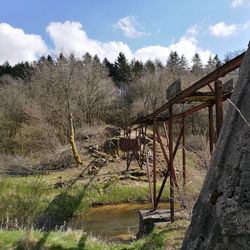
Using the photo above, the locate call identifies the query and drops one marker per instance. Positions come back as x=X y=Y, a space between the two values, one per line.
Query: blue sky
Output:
x=140 y=28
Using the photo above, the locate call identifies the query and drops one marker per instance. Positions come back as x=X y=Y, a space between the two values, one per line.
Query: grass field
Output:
x=168 y=237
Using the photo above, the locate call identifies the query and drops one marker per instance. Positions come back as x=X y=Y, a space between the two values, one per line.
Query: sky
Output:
x=141 y=29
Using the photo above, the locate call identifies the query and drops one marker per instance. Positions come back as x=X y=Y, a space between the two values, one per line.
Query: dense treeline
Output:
x=37 y=98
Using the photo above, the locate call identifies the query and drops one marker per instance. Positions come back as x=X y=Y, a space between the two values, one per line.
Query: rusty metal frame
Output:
x=154 y=166
x=211 y=128
x=160 y=117
x=219 y=105
x=213 y=76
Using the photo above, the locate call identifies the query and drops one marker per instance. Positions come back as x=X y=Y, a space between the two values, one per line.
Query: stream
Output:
x=111 y=222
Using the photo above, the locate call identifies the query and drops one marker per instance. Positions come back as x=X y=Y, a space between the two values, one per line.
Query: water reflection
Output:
x=112 y=222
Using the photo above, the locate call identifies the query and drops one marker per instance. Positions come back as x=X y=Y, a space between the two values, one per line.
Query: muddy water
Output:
x=112 y=222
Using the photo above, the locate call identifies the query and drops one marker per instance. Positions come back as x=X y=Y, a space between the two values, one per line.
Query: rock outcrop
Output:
x=221 y=215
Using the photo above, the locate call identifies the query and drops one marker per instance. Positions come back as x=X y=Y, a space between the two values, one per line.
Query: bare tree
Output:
x=69 y=88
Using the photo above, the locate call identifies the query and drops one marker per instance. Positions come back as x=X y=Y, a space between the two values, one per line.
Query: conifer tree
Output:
x=197 y=64
x=173 y=62
x=150 y=66
x=122 y=78
x=213 y=63
x=110 y=67
x=183 y=63
x=122 y=68
x=136 y=68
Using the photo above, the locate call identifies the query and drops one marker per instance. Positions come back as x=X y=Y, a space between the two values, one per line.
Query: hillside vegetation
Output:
x=56 y=116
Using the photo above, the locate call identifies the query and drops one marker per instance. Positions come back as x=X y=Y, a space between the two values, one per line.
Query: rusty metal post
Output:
x=171 y=162
x=149 y=181
x=219 y=105
x=178 y=142
x=144 y=144
x=211 y=128
x=154 y=165
x=166 y=173
x=166 y=133
x=139 y=144
x=162 y=147
x=184 y=176
x=128 y=156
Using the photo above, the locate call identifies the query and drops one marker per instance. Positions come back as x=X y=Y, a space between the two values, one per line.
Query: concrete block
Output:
x=148 y=218
x=174 y=89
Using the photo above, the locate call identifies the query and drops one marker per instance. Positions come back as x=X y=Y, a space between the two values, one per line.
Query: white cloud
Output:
x=69 y=37
x=237 y=3
x=187 y=45
x=240 y=3
x=130 y=27
x=17 y=46
x=222 y=29
x=193 y=30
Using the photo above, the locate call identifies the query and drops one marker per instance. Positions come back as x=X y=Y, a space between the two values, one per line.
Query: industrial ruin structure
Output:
x=208 y=93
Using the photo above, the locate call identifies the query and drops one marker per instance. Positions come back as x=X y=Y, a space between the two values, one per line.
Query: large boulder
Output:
x=221 y=215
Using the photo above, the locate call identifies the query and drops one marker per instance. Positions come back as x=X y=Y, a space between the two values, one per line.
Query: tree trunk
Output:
x=72 y=142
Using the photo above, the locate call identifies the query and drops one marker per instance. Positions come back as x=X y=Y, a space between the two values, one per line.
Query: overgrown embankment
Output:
x=55 y=190
x=30 y=198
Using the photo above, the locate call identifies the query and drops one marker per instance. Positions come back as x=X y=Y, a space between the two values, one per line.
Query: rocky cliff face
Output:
x=221 y=216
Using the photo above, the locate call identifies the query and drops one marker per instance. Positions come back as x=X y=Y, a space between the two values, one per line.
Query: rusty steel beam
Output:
x=184 y=176
x=162 y=147
x=196 y=108
x=211 y=88
x=171 y=163
x=219 y=106
x=127 y=155
x=162 y=187
x=166 y=157
x=154 y=165
x=178 y=142
x=211 y=128
x=213 y=76
x=150 y=182
x=145 y=135
x=187 y=112
x=140 y=149
x=167 y=169
x=165 y=153
x=166 y=133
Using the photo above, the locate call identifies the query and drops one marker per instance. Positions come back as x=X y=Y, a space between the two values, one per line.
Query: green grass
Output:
x=168 y=237
x=24 y=199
